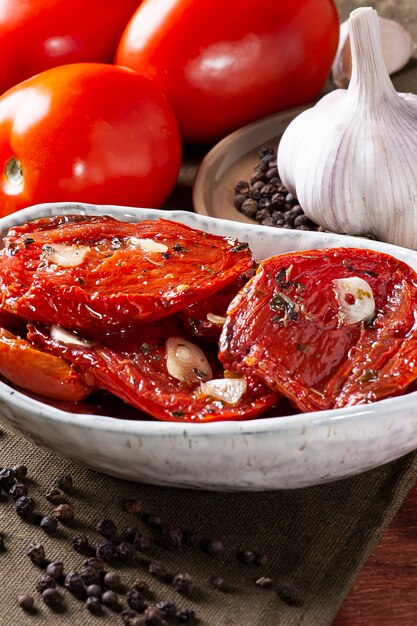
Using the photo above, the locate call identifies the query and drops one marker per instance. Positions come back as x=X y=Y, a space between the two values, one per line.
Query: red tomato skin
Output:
x=88 y=132
x=40 y=372
x=223 y=65
x=36 y=35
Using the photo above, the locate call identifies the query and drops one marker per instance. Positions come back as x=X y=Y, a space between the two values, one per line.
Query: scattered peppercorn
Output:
x=96 y=562
x=154 y=521
x=89 y=575
x=52 y=598
x=25 y=601
x=171 y=537
x=65 y=483
x=18 y=490
x=193 y=539
x=81 y=544
x=94 y=591
x=110 y=599
x=55 y=569
x=261 y=559
x=93 y=605
x=264 y=582
x=7 y=478
x=54 y=496
x=2 y=544
x=128 y=617
x=186 y=616
x=107 y=551
x=220 y=583
x=64 y=513
x=167 y=608
x=20 y=472
x=141 y=585
x=213 y=547
x=49 y=524
x=132 y=506
x=136 y=601
x=182 y=583
x=44 y=581
x=36 y=553
x=24 y=506
x=106 y=527
x=157 y=569
x=75 y=585
x=154 y=617
x=112 y=581
x=125 y=552
x=290 y=596
x=247 y=557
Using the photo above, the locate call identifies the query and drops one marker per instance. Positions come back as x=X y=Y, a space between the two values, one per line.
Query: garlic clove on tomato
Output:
x=149 y=245
x=186 y=362
x=229 y=390
x=64 y=336
x=355 y=299
x=65 y=256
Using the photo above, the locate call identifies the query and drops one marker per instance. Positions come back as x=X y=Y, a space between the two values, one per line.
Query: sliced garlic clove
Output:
x=64 y=336
x=355 y=299
x=185 y=361
x=397 y=49
x=149 y=245
x=229 y=390
x=65 y=256
x=216 y=319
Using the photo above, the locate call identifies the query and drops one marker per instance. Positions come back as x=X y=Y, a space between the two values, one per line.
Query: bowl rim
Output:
x=156 y=428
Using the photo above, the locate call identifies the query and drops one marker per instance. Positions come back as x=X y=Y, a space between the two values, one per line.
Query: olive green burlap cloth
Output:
x=315 y=539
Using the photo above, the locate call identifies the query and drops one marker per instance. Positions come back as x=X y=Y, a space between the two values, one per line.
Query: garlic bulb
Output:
x=397 y=49
x=351 y=160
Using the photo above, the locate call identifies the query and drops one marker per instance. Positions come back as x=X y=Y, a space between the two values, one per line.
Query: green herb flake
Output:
x=368 y=376
x=280 y=301
x=240 y=246
x=146 y=348
x=177 y=413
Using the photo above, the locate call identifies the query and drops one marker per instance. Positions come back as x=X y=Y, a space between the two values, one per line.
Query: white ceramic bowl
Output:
x=270 y=453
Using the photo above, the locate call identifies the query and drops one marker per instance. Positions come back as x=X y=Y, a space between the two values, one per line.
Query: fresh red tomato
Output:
x=36 y=35
x=87 y=132
x=95 y=273
x=224 y=64
x=300 y=326
x=40 y=372
x=133 y=366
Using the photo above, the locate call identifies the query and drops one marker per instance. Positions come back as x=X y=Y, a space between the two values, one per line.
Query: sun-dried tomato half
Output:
x=40 y=372
x=133 y=365
x=96 y=273
x=327 y=328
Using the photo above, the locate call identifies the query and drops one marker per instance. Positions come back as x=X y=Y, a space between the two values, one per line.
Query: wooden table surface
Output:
x=385 y=593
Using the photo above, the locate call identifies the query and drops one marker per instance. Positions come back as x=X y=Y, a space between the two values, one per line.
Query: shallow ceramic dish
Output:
x=268 y=453
x=232 y=160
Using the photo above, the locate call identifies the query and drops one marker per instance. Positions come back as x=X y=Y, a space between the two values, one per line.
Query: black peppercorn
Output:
x=193 y=539
x=167 y=608
x=261 y=559
x=154 y=617
x=49 y=524
x=182 y=582
x=18 y=490
x=142 y=542
x=96 y=562
x=36 y=553
x=110 y=599
x=247 y=557
x=141 y=585
x=20 y=472
x=89 y=575
x=129 y=534
x=44 y=581
x=107 y=551
x=290 y=596
x=186 y=616
x=7 y=478
x=112 y=580
x=24 y=506
x=154 y=521
x=65 y=483
x=220 y=583
x=125 y=552
x=2 y=544
x=54 y=496
x=94 y=591
x=132 y=506
x=81 y=544
x=171 y=537
x=55 y=569
x=93 y=605
x=64 y=513
x=157 y=569
x=106 y=527
x=129 y=617
x=52 y=598
x=136 y=601
x=25 y=601
x=213 y=547
x=75 y=585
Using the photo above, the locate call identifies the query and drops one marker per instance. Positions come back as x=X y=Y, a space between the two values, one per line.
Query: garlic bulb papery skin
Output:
x=351 y=160
x=397 y=49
